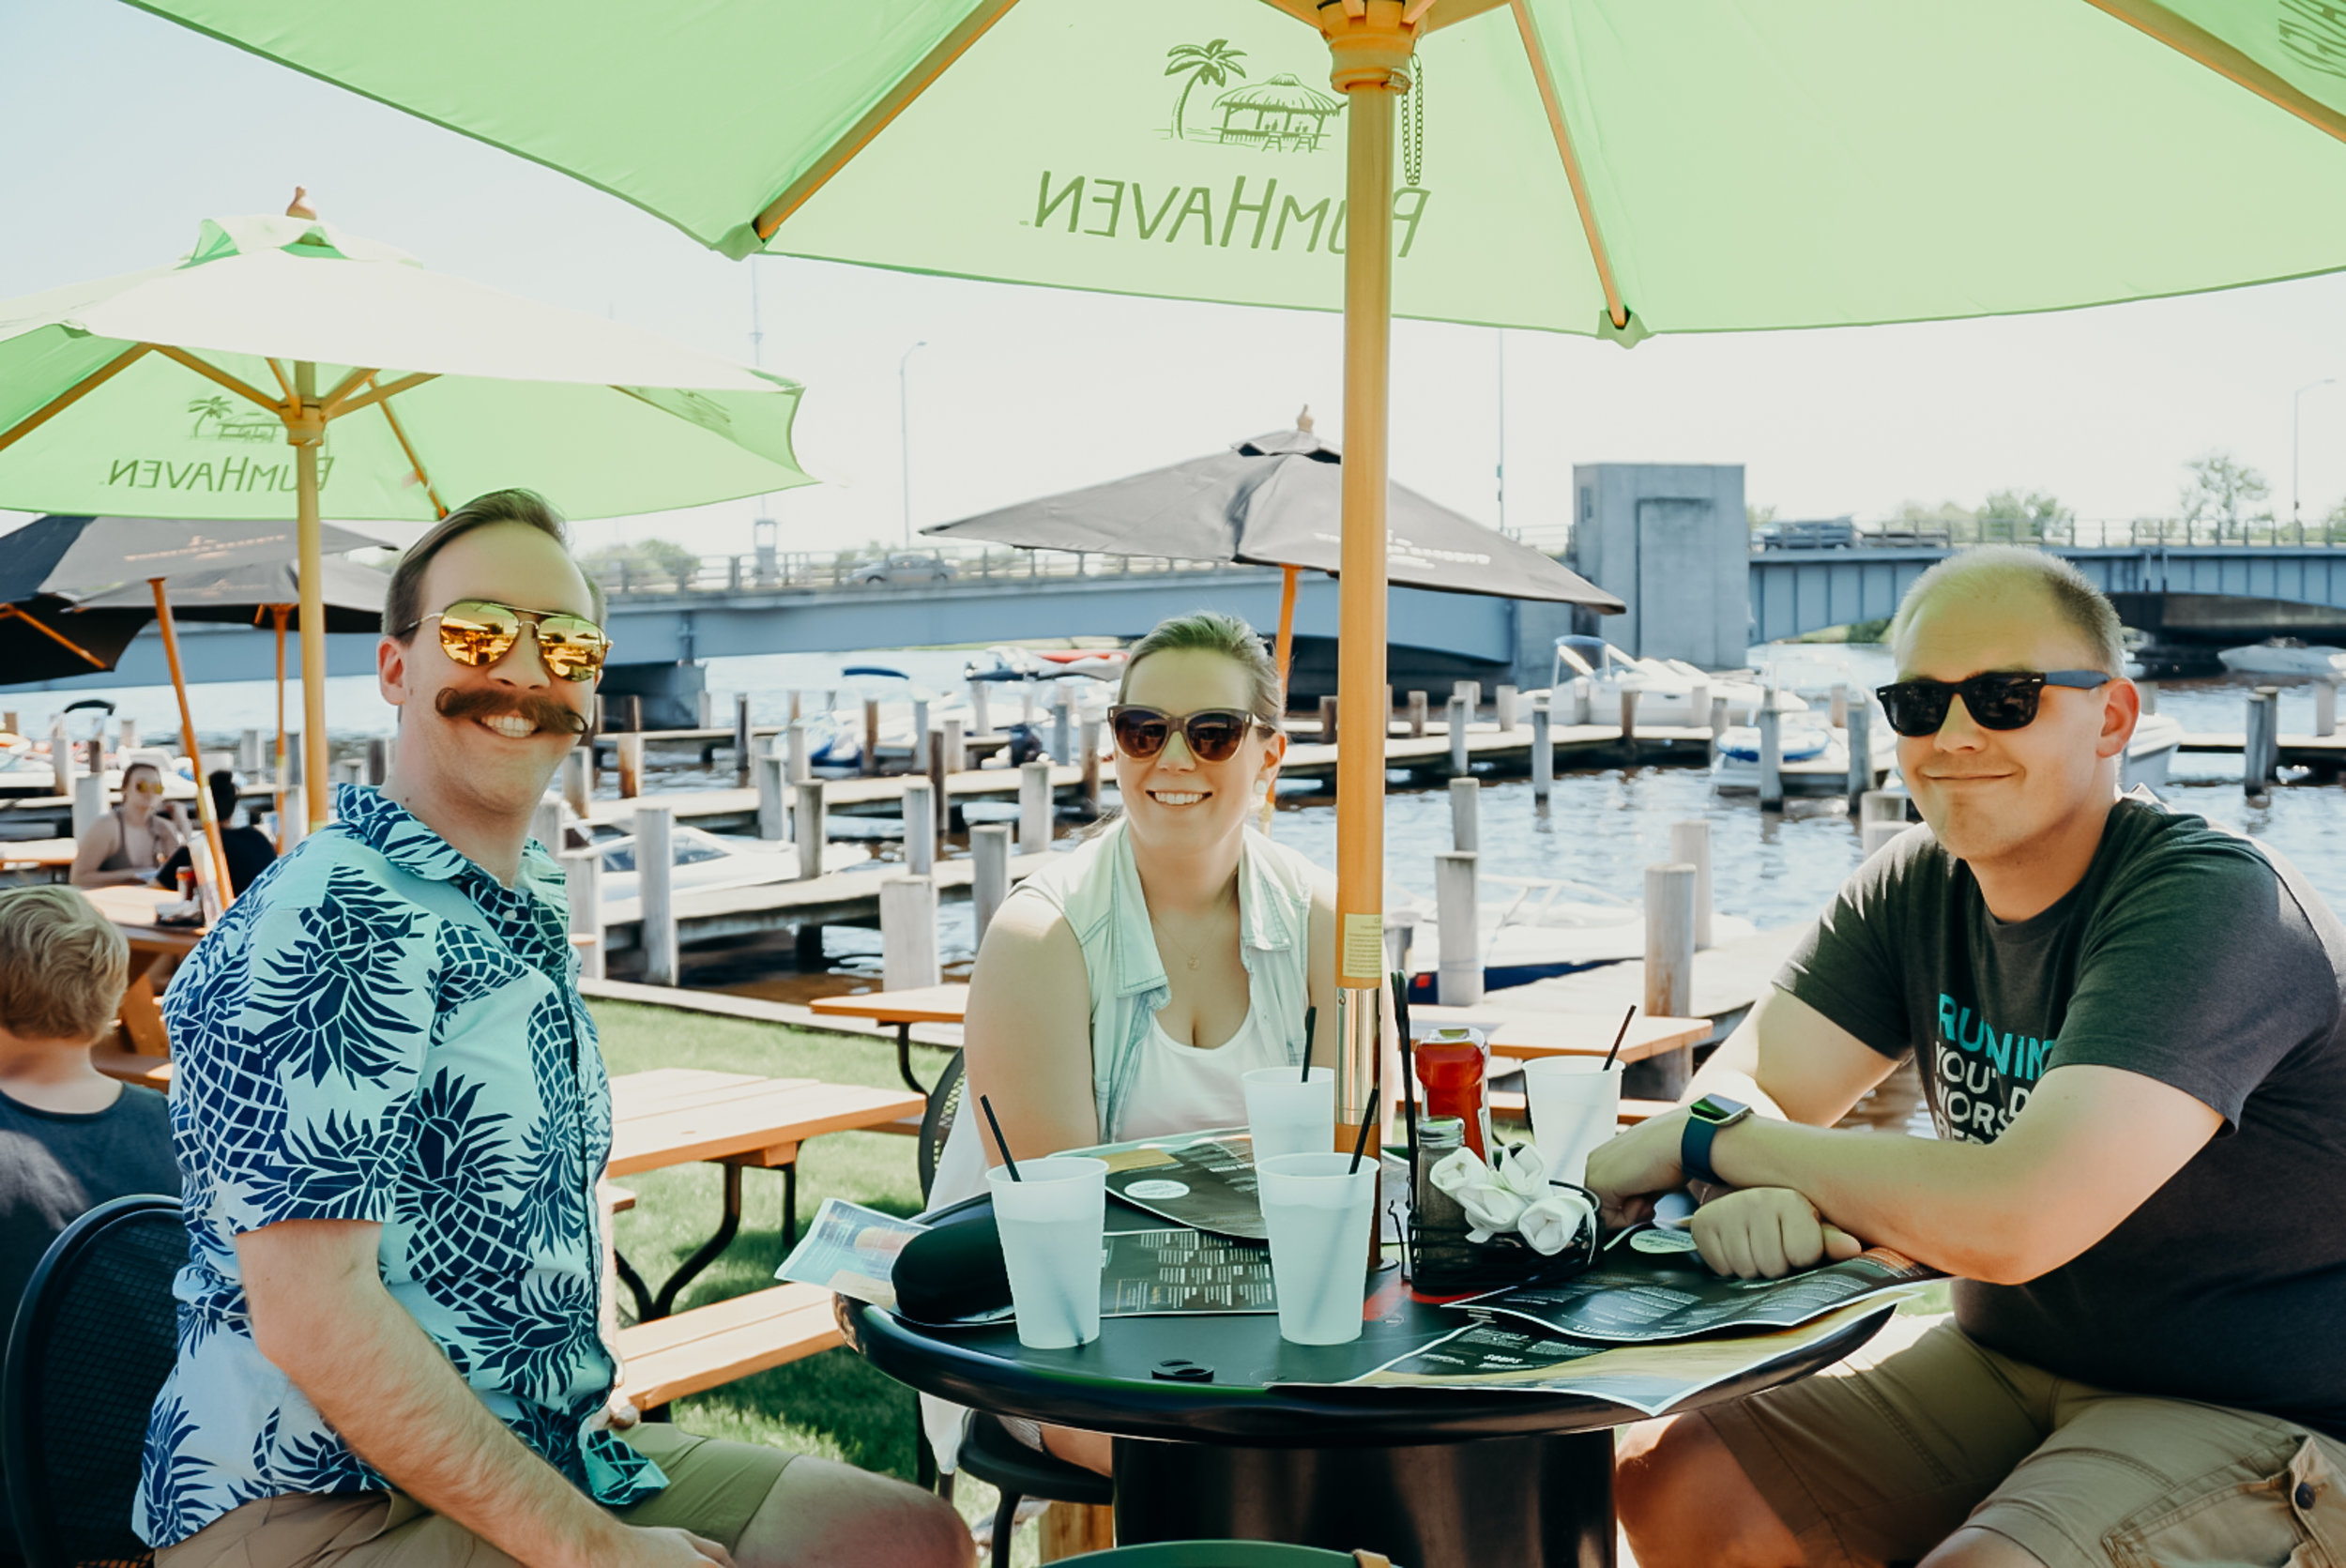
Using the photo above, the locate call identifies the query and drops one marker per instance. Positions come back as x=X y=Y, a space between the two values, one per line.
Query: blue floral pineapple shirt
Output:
x=379 y=1030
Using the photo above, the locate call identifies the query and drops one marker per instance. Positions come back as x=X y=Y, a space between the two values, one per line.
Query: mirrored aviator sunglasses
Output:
x=1998 y=700
x=480 y=632
x=1211 y=733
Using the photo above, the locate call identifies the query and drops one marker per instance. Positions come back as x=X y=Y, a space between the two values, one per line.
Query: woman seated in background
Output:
x=129 y=842
x=1124 y=990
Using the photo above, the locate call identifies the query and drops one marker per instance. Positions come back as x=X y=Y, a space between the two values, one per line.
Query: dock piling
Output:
x=576 y=788
x=60 y=761
x=989 y=880
x=1542 y=750
x=1583 y=700
x=1062 y=723
x=582 y=877
x=956 y=750
x=1629 y=721
x=9 y=722
x=1472 y=692
x=940 y=808
x=1503 y=708
x=922 y=736
x=1771 y=754
x=379 y=760
x=1876 y=834
x=1690 y=844
x=351 y=770
x=89 y=802
x=636 y=715
x=1860 y=734
x=907 y=911
x=1670 y=960
x=1088 y=741
x=1455 y=725
x=2150 y=695
x=1034 y=807
x=798 y=761
x=1840 y=705
x=807 y=804
x=2259 y=752
x=630 y=747
x=248 y=748
x=293 y=818
x=655 y=865
x=1466 y=815
x=1881 y=806
x=2326 y=706
x=1327 y=721
x=545 y=821
x=1458 y=981
x=1718 y=718
x=979 y=723
x=919 y=809
x=870 y=759
x=1417 y=715
x=741 y=758
x=772 y=796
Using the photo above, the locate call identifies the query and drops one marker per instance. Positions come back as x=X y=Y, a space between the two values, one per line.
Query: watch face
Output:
x=1716 y=1108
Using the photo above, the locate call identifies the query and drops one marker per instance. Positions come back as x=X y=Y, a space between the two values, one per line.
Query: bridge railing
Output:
x=869 y=570
x=2095 y=533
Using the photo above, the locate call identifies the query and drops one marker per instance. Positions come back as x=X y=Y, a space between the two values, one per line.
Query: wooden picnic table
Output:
x=53 y=855
x=920 y=1004
x=677 y=1115
x=131 y=908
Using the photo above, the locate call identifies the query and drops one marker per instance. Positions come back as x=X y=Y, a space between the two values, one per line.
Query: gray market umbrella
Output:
x=1276 y=500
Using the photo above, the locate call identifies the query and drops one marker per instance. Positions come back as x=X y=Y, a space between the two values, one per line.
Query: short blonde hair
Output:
x=62 y=965
x=1988 y=570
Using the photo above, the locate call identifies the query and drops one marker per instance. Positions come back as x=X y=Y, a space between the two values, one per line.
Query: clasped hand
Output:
x=1760 y=1232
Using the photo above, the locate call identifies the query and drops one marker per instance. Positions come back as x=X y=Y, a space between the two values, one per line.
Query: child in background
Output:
x=71 y=1138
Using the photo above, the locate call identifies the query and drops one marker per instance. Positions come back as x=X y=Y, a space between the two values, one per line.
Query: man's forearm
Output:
x=1945 y=1204
x=382 y=1384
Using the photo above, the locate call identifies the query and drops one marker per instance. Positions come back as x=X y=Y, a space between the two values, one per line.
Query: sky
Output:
x=131 y=130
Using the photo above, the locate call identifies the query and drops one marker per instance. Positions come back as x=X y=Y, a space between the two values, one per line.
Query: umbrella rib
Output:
x=399 y=432
x=213 y=373
x=284 y=382
x=898 y=98
x=72 y=395
x=1615 y=310
x=9 y=611
x=358 y=375
x=335 y=410
x=2203 y=48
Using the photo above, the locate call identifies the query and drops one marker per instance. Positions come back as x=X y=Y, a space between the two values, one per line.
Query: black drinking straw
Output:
x=1311 y=1027
x=1617 y=1039
x=1368 y=1119
x=999 y=1142
x=1408 y=1071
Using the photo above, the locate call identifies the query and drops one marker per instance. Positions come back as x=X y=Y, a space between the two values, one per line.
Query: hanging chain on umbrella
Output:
x=1413 y=127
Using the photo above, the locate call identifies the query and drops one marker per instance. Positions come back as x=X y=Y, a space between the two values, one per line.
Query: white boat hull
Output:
x=2273 y=658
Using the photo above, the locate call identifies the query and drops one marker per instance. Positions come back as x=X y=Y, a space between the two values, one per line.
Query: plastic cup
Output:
x=1051 y=1224
x=1576 y=1105
x=1284 y=1116
x=1317 y=1217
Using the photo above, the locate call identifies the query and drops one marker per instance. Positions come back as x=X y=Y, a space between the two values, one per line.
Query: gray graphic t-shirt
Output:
x=2191 y=956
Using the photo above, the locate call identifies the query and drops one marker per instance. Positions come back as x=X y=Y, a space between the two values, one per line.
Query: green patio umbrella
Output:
x=175 y=392
x=1617 y=167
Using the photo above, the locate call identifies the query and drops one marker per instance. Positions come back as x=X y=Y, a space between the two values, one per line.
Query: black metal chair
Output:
x=989 y=1451
x=93 y=1338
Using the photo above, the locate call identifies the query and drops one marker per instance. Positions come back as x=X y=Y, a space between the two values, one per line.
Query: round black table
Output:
x=1430 y=1477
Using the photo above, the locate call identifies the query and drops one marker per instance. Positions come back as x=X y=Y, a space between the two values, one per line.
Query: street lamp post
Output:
x=904 y=429
x=2296 y=422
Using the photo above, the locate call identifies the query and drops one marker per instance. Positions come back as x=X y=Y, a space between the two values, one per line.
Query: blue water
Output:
x=1602 y=827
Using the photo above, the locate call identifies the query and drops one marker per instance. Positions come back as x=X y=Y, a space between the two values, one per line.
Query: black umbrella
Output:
x=43 y=638
x=248 y=595
x=1275 y=500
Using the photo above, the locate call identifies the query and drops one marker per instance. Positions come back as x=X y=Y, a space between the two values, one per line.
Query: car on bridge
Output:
x=904 y=566
x=1823 y=533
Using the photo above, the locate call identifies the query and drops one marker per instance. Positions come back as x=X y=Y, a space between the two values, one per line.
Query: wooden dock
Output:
x=835 y=898
x=1727 y=979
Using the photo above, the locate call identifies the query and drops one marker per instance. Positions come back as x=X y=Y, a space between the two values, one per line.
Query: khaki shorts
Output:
x=713 y=1488
x=1923 y=1431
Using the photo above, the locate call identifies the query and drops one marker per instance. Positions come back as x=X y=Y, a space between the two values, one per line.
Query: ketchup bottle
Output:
x=1452 y=1065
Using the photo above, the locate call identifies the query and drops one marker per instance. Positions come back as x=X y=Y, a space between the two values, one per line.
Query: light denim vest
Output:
x=1097 y=888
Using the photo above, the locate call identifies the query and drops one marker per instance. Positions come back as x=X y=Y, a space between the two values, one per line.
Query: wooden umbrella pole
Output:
x=277 y=614
x=1370 y=44
x=210 y=818
x=1286 y=652
x=305 y=428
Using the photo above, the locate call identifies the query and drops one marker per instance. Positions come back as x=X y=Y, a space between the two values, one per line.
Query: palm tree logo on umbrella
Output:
x=1213 y=63
x=228 y=423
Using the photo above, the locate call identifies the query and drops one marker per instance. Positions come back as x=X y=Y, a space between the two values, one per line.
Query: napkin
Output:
x=1495 y=1199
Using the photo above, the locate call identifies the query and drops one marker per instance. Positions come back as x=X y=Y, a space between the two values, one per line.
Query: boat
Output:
x=1814 y=760
x=835 y=736
x=1670 y=691
x=1536 y=927
x=2157 y=738
x=709 y=863
x=2285 y=656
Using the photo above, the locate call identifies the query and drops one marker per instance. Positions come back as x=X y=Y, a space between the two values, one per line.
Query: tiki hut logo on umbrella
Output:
x=1280 y=114
x=218 y=419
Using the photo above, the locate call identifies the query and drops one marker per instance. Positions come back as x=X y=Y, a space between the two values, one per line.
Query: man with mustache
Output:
x=390 y=1112
x=2130 y=1028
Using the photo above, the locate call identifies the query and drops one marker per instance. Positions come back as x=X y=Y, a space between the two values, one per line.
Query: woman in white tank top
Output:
x=1123 y=992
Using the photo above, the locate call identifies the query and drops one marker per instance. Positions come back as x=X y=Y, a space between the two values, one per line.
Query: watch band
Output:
x=1705 y=1119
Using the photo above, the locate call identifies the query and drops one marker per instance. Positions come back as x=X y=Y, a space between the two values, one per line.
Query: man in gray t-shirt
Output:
x=2130 y=1028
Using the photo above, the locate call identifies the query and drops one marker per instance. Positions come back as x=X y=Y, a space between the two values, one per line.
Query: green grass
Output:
x=833 y=1405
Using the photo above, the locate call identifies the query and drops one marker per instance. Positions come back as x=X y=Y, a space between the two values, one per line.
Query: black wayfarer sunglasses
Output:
x=1213 y=734
x=1999 y=699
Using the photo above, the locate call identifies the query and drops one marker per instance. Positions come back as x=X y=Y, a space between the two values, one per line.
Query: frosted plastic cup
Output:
x=1576 y=1105
x=1317 y=1217
x=1051 y=1224
x=1286 y=1115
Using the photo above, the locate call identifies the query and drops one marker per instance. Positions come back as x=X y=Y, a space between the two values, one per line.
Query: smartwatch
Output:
x=1705 y=1119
